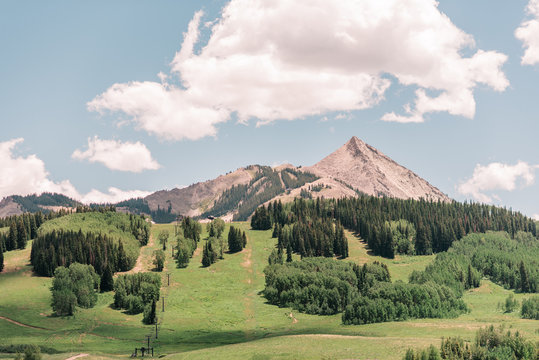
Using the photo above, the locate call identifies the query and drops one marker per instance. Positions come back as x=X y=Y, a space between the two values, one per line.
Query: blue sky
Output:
x=290 y=83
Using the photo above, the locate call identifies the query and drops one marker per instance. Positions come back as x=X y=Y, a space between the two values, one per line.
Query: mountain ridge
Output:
x=353 y=169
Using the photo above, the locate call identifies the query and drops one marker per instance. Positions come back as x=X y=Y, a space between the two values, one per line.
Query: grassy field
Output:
x=218 y=313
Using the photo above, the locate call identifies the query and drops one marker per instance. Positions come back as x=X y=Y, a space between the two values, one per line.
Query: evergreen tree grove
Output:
x=237 y=240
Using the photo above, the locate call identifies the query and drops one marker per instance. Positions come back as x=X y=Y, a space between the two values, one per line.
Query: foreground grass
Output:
x=219 y=313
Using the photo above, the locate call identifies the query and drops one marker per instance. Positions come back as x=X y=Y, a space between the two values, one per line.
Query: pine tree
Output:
x=21 y=235
x=123 y=263
x=206 y=257
x=524 y=278
x=289 y=253
x=211 y=232
x=107 y=282
x=244 y=240
x=33 y=227
x=469 y=278
x=11 y=243
x=235 y=242
x=150 y=314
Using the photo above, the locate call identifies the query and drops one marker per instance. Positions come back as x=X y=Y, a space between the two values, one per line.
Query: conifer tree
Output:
x=107 y=282
x=21 y=235
x=235 y=242
x=33 y=227
x=206 y=257
x=150 y=315
x=469 y=278
x=123 y=263
x=524 y=278
x=289 y=253
x=11 y=243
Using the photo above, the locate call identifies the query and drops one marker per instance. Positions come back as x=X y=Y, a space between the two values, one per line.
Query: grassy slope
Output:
x=108 y=223
x=217 y=312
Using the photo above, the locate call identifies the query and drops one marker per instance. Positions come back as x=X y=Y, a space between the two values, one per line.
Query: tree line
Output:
x=63 y=248
x=313 y=237
x=391 y=225
x=21 y=229
x=307 y=234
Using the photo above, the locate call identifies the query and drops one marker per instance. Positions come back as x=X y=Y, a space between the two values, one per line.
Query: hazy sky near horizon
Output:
x=106 y=100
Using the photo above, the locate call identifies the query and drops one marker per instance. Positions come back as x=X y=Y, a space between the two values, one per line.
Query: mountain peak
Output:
x=355 y=146
x=368 y=170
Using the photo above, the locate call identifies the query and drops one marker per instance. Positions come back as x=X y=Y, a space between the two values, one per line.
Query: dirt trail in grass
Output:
x=144 y=260
x=248 y=300
x=77 y=356
x=21 y=324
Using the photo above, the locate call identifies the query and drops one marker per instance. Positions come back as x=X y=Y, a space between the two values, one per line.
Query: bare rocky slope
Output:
x=196 y=198
x=368 y=170
x=8 y=207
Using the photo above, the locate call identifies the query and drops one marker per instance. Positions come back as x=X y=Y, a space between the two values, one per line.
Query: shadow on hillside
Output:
x=197 y=339
x=358 y=236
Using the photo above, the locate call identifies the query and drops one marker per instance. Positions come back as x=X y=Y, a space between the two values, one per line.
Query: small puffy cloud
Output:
x=27 y=175
x=496 y=176
x=535 y=217
x=528 y=33
x=263 y=61
x=118 y=155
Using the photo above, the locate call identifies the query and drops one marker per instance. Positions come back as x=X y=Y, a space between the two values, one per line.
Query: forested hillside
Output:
x=392 y=226
x=98 y=238
x=36 y=203
x=266 y=184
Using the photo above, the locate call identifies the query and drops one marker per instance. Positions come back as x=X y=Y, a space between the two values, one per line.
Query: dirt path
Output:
x=77 y=356
x=248 y=300
x=197 y=251
x=21 y=324
x=144 y=260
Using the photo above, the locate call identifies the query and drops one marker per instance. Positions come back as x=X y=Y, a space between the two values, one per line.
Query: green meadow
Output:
x=219 y=313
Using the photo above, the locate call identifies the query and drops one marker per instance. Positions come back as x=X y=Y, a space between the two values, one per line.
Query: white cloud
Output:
x=264 y=61
x=535 y=217
x=113 y=195
x=118 y=155
x=528 y=33
x=496 y=176
x=27 y=175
